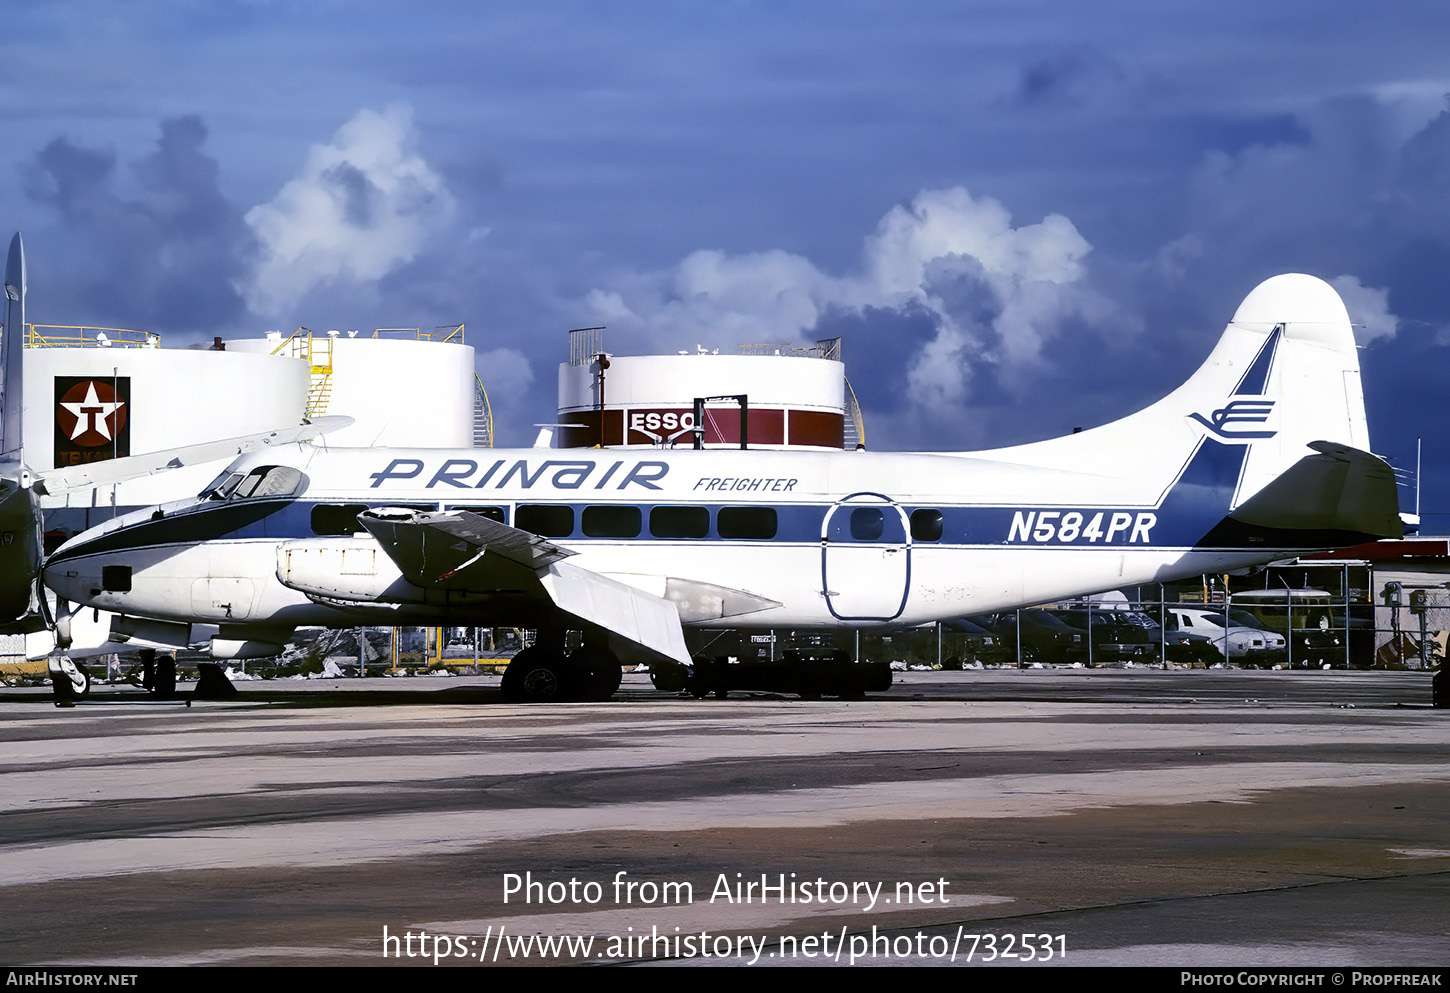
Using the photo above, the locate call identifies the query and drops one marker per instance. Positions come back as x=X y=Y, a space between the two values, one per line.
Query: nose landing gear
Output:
x=69 y=682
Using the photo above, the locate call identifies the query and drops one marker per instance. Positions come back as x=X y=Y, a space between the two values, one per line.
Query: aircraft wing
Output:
x=54 y=482
x=460 y=550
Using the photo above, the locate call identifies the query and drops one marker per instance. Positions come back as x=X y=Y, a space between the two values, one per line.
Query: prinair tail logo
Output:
x=1234 y=421
x=92 y=419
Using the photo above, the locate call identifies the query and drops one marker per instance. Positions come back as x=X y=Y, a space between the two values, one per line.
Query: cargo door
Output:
x=865 y=558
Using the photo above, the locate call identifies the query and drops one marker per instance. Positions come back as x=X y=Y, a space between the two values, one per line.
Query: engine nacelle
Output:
x=354 y=569
x=140 y=632
x=233 y=648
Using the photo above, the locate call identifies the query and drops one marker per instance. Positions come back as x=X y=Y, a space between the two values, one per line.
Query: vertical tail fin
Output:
x=12 y=350
x=1311 y=391
x=1284 y=374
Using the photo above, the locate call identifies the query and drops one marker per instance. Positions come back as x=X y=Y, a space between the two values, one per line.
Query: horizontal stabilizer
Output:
x=1339 y=490
x=55 y=482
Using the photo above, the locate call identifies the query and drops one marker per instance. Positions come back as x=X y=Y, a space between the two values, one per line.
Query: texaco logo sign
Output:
x=92 y=419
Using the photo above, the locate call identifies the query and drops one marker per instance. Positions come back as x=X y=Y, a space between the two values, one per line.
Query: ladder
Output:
x=854 y=430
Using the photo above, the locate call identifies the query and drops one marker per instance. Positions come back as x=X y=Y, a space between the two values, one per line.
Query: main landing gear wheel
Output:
x=68 y=681
x=668 y=677
x=534 y=677
x=158 y=674
x=596 y=672
x=166 y=676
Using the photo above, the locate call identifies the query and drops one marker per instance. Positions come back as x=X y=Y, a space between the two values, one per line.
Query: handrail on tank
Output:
x=854 y=412
x=585 y=344
x=454 y=333
x=114 y=337
x=825 y=348
x=288 y=340
x=483 y=418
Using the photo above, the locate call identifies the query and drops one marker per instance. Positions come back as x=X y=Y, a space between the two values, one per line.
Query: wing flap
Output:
x=460 y=550
x=623 y=610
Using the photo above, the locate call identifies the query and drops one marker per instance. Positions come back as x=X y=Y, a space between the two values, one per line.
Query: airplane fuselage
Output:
x=804 y=539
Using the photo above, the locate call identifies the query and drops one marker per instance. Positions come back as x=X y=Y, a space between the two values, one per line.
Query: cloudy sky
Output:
x=1022 y=217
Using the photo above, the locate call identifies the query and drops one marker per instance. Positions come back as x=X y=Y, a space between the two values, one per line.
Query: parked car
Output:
x=965 y=642
x=1234 y=641
x=1043 y=638
x=1181 y=646
x=1114 y=636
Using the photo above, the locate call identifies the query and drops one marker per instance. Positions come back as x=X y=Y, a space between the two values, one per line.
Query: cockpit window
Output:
x=263 y=481
x=218 y=488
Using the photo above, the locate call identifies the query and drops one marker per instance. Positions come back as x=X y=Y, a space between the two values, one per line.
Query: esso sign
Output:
x=664 y=422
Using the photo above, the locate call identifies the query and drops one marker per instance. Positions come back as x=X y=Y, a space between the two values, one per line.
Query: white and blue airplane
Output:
x=1262 y=454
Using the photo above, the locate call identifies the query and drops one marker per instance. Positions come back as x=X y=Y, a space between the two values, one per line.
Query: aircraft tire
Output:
x=702 y=678
x=68 y=687
x=534 y=677
x=596 y=672
x=667 y=677
x=165 y=677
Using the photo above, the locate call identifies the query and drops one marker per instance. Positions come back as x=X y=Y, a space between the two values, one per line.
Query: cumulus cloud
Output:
x=991 y=292
x=1364 y=188
x=163 y=259
x=1369 y=309
x=509 y=377
x=362 y=205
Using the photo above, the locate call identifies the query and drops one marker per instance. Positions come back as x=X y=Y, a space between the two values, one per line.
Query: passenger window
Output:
x=611 y=522
x=679 y=522
x=546 y=520
x=867 y=524
x=926 y=525
x=492 y=513
x=746 y=522
x=337 y=519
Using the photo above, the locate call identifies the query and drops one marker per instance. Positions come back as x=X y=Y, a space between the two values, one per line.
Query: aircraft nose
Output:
x=65 y=580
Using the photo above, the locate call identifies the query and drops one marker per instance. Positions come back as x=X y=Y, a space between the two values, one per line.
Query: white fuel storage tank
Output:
x=795 y=397
x=99 y=393
x=402 y=387
x=108 y=394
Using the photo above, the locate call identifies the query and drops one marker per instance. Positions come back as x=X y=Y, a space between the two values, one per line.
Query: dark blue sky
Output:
x=1022 y=217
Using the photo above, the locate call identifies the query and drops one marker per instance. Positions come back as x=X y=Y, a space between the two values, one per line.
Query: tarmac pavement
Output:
x=1088 y=817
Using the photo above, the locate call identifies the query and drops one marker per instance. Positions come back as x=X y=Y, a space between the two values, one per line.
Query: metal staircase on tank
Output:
x=482 y=416
x=854 y=430
x=316 y=350
x=319 y=359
